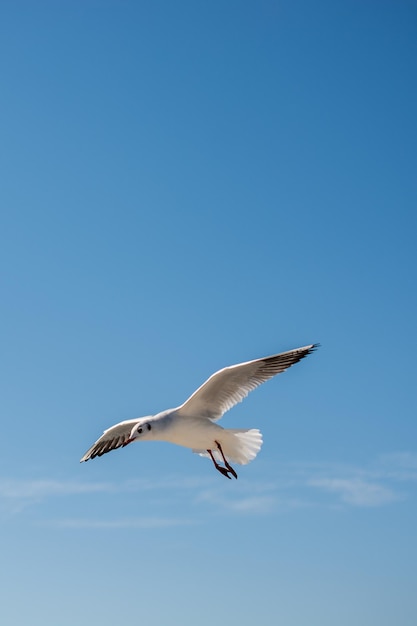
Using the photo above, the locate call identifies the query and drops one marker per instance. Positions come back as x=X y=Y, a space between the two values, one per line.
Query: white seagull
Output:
x=192 y=424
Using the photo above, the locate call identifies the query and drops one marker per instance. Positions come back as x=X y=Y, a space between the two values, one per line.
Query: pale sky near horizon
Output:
x=185 y=186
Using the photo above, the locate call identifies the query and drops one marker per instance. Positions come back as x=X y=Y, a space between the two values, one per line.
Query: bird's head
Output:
x=141 y=430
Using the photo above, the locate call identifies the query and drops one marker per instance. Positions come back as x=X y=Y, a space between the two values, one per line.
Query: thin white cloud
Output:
x=387 y=479
x=247 y=502
x=401 y=459
x=252 y=498
x=399 y=466
x=39 y=489
x=256 y=504
x=16 y=495
x=356 y=491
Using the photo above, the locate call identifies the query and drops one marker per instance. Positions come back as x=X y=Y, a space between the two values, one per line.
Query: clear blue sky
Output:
x=186 y=185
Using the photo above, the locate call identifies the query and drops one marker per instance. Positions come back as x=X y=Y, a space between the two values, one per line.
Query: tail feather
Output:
x=238 y=444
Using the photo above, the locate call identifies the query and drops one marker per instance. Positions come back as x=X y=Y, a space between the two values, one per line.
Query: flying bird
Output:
x=193 y=424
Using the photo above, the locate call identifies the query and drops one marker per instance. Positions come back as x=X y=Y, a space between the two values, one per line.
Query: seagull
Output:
x=193 y=424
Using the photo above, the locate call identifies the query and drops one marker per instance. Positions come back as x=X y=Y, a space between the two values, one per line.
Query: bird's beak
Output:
x=127 y=441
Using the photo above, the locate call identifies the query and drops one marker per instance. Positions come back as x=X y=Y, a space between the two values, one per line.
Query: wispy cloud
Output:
x=385 y=480
x=381 y=482
x=400 y=466
x=38 y=489
x=356 y=491
x=255 y=504
x=16 y=495
x=242 y=501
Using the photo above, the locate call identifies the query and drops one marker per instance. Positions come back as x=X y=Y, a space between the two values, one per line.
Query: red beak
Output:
x=127 y=441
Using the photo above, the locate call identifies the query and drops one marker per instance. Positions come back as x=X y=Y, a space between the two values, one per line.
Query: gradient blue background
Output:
x=186 y=185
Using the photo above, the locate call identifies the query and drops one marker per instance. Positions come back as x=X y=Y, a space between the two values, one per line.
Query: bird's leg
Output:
x=218 y=467
x=227 y=464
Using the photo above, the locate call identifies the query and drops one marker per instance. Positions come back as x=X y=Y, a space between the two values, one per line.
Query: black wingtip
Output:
x=303 y=352
x=311 y=349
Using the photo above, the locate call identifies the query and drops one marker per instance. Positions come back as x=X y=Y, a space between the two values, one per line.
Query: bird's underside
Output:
x=205 y=406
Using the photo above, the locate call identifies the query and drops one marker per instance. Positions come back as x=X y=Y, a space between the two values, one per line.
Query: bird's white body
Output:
x=193 y=424
x=190 y=432
x=240 y=445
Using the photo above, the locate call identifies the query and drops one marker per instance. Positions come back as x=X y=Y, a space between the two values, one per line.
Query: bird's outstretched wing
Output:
x=232 y=384
x=112 y=438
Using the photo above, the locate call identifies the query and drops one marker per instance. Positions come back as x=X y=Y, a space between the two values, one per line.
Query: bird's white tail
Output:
x=239 y=445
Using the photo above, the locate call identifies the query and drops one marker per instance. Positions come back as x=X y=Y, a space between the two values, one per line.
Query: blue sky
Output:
x=188 y=185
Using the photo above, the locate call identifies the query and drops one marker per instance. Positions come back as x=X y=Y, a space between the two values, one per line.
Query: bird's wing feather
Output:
x=232 y=384
x=111 y=439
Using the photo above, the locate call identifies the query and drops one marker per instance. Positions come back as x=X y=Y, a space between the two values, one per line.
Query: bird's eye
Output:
x=149 y=426
x=139 y=431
